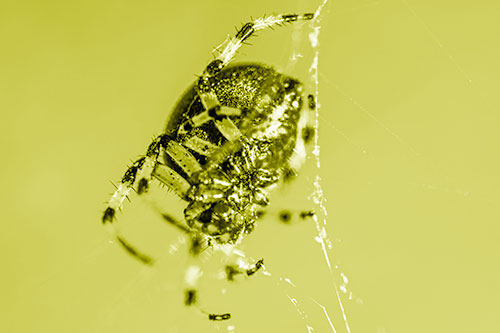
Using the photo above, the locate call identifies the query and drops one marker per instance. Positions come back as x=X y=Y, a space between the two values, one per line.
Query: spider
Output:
x=233 y=136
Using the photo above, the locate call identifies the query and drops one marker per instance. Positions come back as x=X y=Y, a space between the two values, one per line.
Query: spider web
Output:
x=320 y=219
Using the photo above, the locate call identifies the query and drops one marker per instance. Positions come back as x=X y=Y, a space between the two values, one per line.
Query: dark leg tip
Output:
x=143 y=186
x=231 y=272
x=190 y=297
x=285 y=216
x=290 y=17
x=311 y=102
x=258 y=265
x=214 y=67
x=308 y=16
x=306 y=214
x=219 y=317
x=108 y=215
x=308 y=134
x=146 y=260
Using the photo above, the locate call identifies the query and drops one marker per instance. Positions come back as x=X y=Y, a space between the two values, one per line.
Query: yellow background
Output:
x=410 y=159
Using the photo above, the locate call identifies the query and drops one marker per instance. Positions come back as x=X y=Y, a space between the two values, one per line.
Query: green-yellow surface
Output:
x=409 y=134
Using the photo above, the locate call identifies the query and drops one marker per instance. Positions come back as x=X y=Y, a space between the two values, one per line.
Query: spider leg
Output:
x=141 y=169
x=115 y=203
x=228 y=129
x=286 y=216
x=192 y=275
x=231 y=45
x=199 y=243
x=214 y=152
x=141 y=173
x=146 y=167
x=205 y=147
x=172 y=179
x=183 y=158
x=233 y=270
x=213 y=109
x=200 y=145
x=173 y=221
x=134 y=252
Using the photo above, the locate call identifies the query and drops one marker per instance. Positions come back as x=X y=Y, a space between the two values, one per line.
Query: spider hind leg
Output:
x=134 y=252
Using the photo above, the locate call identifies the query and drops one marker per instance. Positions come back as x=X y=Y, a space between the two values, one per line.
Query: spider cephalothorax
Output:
x=233 y=135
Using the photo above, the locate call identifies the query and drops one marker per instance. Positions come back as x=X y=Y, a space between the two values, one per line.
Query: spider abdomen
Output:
x=269 y=102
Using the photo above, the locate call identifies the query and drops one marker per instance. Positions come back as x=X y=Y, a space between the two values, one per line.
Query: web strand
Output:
x=317 y=196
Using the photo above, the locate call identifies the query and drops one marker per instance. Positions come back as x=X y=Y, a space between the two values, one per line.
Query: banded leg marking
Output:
x=200 y=145
x=183 y=158
x=115 y=203
x=172 y=179
x=228 y=129
x=231 y=46
x=141 y=172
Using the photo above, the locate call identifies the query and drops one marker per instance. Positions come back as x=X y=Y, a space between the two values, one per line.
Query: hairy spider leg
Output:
x=214 y=152
x=233 y=44
x=213 y=109
x=141 y=173
x=116 y=202
x=141 y=169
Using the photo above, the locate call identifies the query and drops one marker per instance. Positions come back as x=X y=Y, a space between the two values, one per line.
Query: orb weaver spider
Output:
x=233 y=136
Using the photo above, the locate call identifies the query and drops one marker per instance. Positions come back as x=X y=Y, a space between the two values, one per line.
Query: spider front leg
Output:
x=192 y=275
x=233 y=44
x=213 y=109
x=141 y=169
x=229 y=49
x=140 y=175
x=145 y=168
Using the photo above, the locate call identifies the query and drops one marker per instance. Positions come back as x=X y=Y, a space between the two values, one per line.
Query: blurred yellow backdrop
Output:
x=409 y=134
